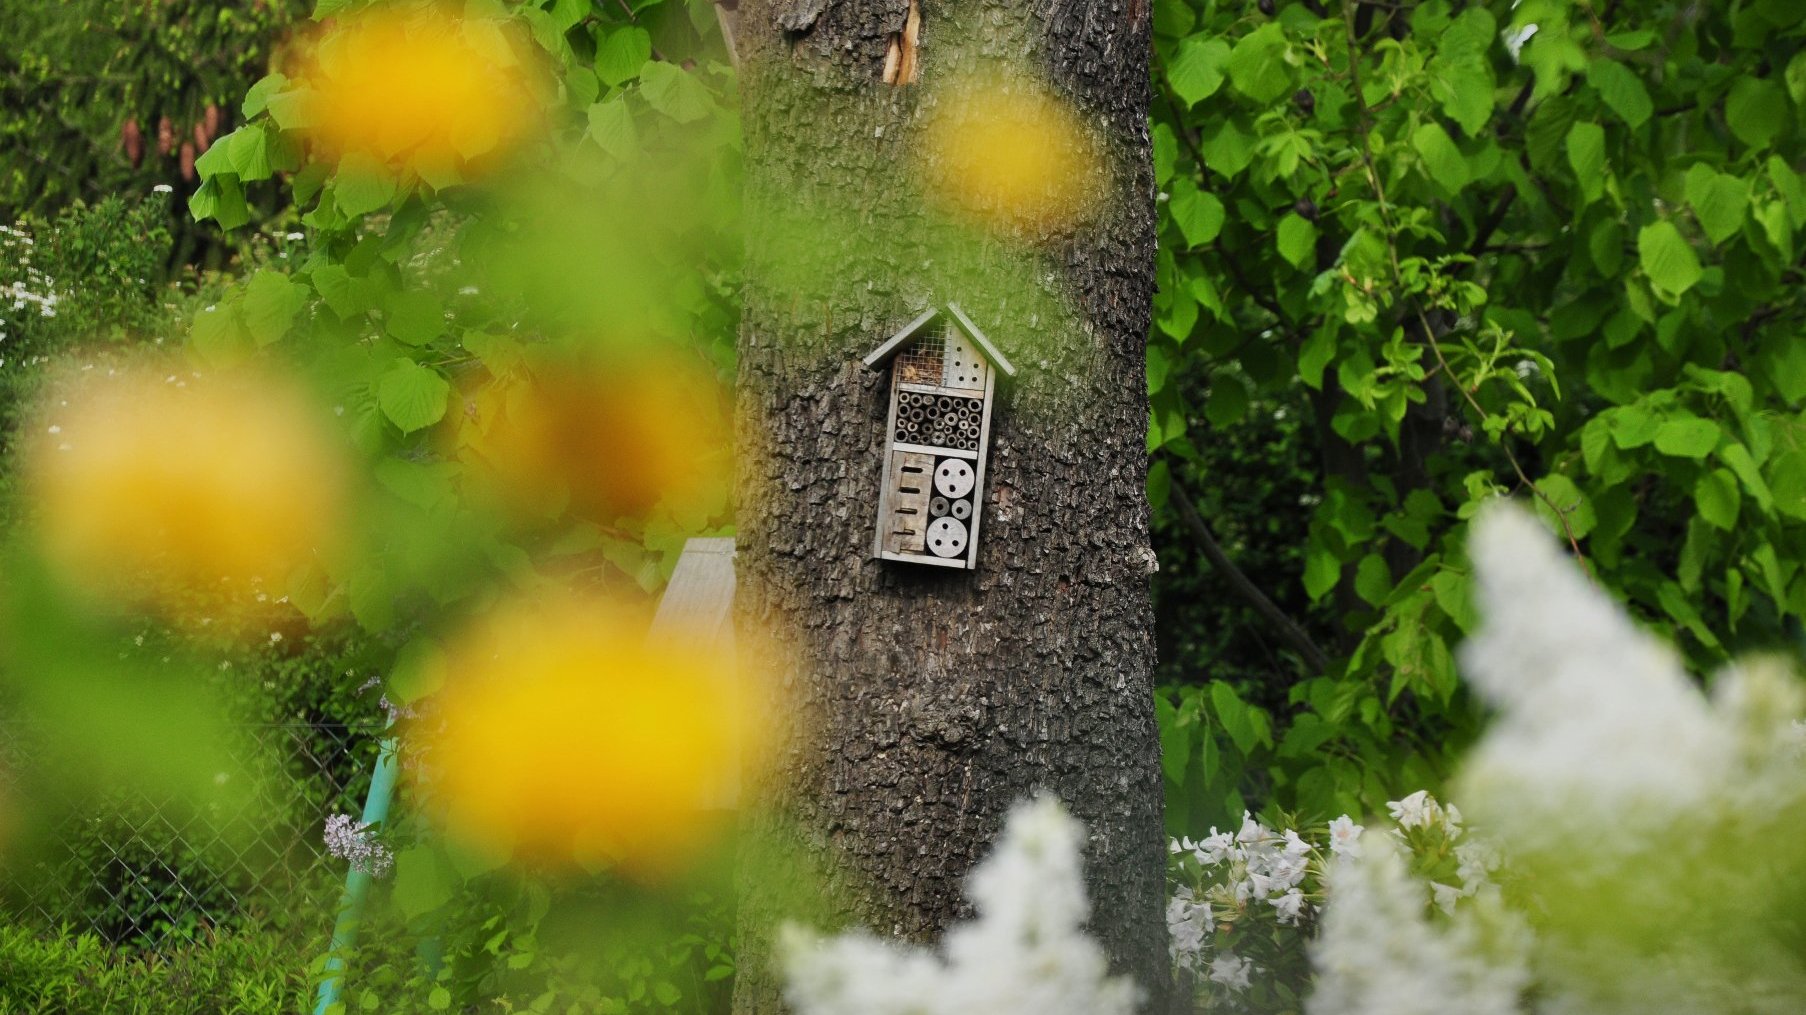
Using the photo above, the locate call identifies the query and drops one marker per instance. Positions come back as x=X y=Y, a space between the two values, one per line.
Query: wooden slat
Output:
x=931 y=449
x=926 y=558
x=697 y=611
x=699 y=600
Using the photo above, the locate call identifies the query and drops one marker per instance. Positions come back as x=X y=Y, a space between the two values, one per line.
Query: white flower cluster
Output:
x=1657 y=836
x=23 y=288
x=1596 y=720
x=396 y=713
x=1381 y=953
x=1025 y=954
x=1277 y=881
x=353 y=842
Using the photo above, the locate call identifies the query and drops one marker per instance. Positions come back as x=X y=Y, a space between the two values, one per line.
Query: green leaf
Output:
x=1788 y=473
x=674 y=93
x=1228 y=149
x=248 y=151
x=1373 y=579
x=1563 y=506
x=1667 y=258
x=422 y=882
x=1622 y=91
x=621 y=55
x=419 y=670
x=1755 y=110
x=1717 y=498
x=1297 y=240
x=412 y=396
x=258 y=97
x=336 y=287
x=611 y=127
x=1721 y=202
x=1443 y=160
x=217 y=336
x=296 y=110
x=1234 y=714
x=1633 y=426
x=1257 y=65
x=414 y=316
x=1586 y=153
x=1795 y=76
x=1196 y=68
x=1175 y=740
x=217 y=159
x=1228 y=401
x=1315 y=355
x=1321 y=572
x=566 y=13
x=362 y=185
x=1687 y=437
x=220 y=199
x=1197 y=213
x=270 y=304
x=1743 y=464
x=1465 y=90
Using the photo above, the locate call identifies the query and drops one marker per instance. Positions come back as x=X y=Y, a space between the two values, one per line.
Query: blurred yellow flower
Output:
x=1009 y=154
x=617 y=435
x=421 y=89
x=562 y=735
x=182 y=494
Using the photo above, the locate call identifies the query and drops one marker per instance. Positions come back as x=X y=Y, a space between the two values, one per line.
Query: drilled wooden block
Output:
x=911 y=485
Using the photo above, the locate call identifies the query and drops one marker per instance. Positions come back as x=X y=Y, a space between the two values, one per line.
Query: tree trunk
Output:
x=931 y=699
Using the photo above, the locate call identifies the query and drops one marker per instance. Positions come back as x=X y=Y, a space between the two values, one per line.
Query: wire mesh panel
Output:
x=140 y=870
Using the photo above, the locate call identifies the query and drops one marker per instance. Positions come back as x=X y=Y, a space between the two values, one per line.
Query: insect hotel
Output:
x=943 y=382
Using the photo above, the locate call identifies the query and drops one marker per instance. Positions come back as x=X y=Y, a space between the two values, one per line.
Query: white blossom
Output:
x=1419 y=810
x=1597 y=723
x=1230 y=971
x=1379 y=953
x=1291 y=906
x=353 y=842
x=1188 y=924
x=1025 y=953
x=1345 y=837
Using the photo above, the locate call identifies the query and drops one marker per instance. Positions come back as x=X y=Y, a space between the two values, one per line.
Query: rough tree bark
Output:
x=935 y=698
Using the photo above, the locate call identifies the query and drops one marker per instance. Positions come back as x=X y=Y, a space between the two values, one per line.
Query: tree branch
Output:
x=1289 y=631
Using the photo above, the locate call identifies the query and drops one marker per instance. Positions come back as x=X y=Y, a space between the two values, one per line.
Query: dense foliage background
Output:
x=1445 y=250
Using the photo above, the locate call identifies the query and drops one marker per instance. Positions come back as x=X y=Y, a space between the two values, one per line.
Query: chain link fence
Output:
x=140 y=871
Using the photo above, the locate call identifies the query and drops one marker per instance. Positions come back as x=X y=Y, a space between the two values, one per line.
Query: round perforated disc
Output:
x=947 y=537
x=954 y=478
x=937 y=507
x=962 y=509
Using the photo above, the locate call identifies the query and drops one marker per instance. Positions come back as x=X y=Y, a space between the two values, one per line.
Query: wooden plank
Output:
x=699 y=600
x=697 y=612
x=984 y=452
x=926 y=558
x=910 y=485
x=932 y=449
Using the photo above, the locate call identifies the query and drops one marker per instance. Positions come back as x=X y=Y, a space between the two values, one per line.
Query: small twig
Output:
x=1289 y=630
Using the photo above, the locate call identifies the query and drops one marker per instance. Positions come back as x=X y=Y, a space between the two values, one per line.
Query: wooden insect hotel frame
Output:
x=943 y=383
